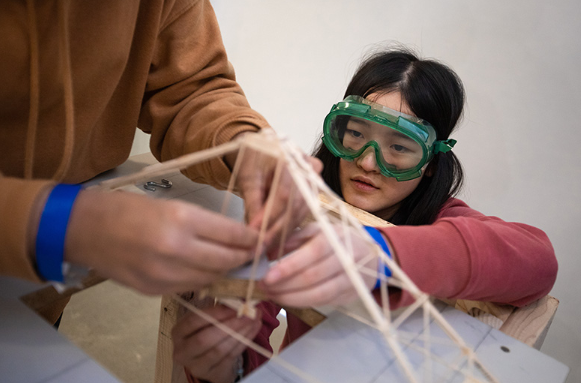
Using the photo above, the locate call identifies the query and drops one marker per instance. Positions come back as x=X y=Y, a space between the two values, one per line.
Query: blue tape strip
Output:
x=50 y=239
x=376 y=235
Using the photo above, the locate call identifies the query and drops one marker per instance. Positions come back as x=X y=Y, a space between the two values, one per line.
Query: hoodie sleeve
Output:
x=467 y=255
x=192 y=100
x=20 y=203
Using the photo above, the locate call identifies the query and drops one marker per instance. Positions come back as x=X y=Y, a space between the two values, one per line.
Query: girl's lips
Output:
x=363 y=186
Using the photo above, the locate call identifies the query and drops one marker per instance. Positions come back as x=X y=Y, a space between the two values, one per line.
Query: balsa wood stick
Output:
x=264 y=226
x=427 y=348
x=233 y=178
x=286 y=221
x=162 y=168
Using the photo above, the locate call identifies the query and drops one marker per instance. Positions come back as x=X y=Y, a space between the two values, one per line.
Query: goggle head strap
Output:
x=444 y=146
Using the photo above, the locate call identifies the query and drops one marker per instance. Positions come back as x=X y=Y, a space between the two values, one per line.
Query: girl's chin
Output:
x=361 y=203
x=369 y=206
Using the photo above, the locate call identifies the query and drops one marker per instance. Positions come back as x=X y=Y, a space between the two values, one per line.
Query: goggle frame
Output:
x=421 y=131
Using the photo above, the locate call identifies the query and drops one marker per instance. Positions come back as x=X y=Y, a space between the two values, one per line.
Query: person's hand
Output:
x=312 y=274
x=255 y=179
x=208 y=352
x=154 y=246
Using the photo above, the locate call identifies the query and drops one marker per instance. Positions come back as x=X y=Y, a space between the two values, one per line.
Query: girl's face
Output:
x=363 y=185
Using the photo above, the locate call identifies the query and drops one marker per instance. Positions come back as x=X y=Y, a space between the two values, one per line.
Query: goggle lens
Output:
x=403 y=144
x=354 y=135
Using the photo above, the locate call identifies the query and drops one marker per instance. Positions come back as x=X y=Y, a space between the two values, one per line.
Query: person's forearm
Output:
x=21 y=203
x=35 y=214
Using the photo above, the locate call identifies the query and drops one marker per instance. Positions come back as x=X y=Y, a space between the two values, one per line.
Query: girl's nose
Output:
x=366 y=160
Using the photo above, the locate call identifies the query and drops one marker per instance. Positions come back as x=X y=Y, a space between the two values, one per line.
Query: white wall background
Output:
x=520 y=62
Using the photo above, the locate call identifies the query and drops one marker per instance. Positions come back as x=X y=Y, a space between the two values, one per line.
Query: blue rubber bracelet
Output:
x=377 y=237
x=50 y=239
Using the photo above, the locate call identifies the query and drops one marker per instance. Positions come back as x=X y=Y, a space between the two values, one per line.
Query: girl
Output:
x=386 y=150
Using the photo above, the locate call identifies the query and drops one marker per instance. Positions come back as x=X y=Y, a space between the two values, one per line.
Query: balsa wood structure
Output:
x=339 y=227
x=339 y=223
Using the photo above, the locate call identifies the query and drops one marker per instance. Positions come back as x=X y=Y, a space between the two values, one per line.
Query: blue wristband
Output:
x=50 y=239
x=377 y=237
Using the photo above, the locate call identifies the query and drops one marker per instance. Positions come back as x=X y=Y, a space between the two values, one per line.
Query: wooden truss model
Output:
x=328 y=211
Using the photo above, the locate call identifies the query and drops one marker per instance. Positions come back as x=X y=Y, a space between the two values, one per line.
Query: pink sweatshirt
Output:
x=462 y=255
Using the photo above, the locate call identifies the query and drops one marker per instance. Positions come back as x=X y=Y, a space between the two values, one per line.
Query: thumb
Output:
x=315 y=163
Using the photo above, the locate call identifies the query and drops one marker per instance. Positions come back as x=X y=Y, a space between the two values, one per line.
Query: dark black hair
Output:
x=434 y=93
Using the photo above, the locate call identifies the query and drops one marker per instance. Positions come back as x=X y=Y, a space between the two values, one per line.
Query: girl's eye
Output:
x=354 y=133
x=399 y=148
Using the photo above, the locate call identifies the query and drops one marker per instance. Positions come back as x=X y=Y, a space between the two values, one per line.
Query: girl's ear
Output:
x=431 y=169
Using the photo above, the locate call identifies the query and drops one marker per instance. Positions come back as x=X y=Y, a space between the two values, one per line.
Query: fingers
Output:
x=315 y=163
x=207 y=351
x=297 y=238
x=163 y=279
x=192 y=323
x=313 y=274
x=284 y=224
x=280 y=191
x=261 y=179
x=253 y=179
x=310 y=259
x=254 y=204
x=310 y=276
x=216 y=228
x=317 y=283
x=213 y=257
x=336 y=290
x=154 y=246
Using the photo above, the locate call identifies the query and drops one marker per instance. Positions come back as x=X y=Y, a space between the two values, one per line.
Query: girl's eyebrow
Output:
x=360 y=121
x=400 y=135
x=369 y=125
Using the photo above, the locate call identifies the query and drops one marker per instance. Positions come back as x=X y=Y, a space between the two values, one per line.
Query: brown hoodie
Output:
x=78 y=77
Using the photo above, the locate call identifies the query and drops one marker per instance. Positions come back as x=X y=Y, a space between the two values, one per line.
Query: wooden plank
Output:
x=310 y=316
x=232 y=288
x=236 y=288
x=530 y=323
x=40 y=299
x=490 y=313
x=363 y=216
x=166 y=371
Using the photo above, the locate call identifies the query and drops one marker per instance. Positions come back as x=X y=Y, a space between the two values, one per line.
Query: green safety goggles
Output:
x=403 y=144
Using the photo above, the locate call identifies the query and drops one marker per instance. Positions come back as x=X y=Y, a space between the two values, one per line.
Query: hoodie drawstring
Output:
x=65 y=54
x=34 y=92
